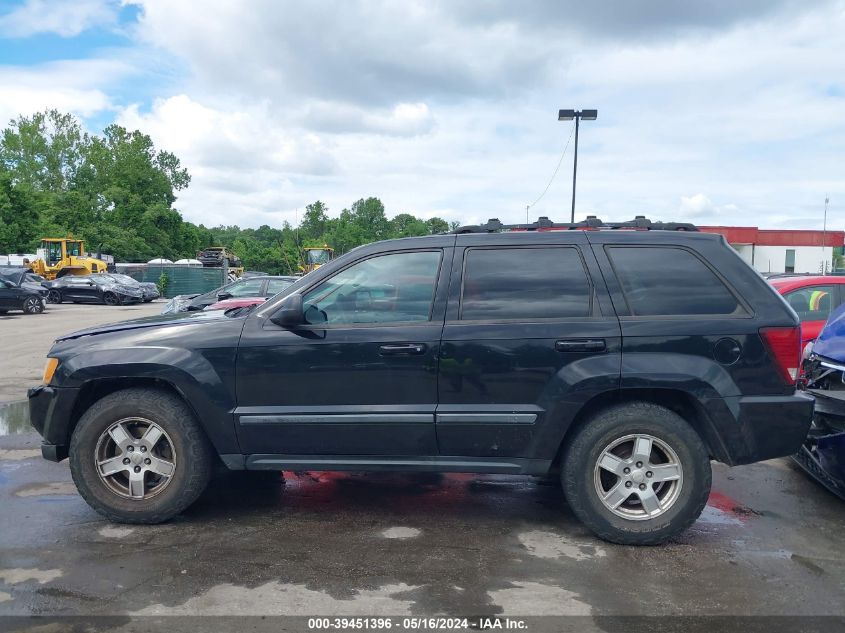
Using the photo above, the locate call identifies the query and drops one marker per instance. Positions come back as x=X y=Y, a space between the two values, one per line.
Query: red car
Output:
x=239 y=302
x=813 y=298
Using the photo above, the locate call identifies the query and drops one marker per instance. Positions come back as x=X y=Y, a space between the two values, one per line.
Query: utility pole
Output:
x=824 y=236
x=568 y=115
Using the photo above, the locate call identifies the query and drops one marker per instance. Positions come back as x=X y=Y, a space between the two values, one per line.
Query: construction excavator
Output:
x=61 y=256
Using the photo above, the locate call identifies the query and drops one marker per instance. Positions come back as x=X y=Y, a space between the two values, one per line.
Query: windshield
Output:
x=123 y=279
x=15 y=276
x=318 y=256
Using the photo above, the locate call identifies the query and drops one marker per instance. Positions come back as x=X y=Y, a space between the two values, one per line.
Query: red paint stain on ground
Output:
x=730 y=506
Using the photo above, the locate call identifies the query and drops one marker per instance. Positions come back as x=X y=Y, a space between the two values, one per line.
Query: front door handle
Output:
x=581 y=345
x=402 y=349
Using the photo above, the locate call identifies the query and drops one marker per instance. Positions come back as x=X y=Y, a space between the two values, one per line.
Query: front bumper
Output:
x=50 y=410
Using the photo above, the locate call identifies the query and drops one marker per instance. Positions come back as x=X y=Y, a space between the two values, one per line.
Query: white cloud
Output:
x=729 y=115
x=79 y=87
x=62 y=17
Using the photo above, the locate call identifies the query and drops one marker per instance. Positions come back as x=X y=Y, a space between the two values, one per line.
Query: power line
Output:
x=551 y=180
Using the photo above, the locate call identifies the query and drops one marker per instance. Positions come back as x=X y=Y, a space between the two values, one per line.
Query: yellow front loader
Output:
x=316 y=256
x=61 y=256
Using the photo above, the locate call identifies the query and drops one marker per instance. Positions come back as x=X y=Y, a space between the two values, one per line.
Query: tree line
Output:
x=116 y=191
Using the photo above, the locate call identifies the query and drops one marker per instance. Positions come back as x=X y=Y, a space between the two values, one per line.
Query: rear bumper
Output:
x=50 y=410
x=755 y=428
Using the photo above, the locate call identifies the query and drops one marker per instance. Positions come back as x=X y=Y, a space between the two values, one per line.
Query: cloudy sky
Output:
x=712 y=112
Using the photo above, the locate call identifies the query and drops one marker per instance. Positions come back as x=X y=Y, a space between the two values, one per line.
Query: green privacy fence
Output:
x=181 y=280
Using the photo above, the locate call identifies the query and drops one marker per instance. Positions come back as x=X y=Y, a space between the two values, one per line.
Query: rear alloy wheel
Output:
x=33 y=305
x=111 y=299
x=638 y=477
x=139 y=456
x=54 y=296
x=636 y=474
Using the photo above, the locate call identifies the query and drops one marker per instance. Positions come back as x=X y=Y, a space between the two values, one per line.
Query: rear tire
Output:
x=659 y=496
x=177 y=440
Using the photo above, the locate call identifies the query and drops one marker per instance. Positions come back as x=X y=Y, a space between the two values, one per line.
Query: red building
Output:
x=783 y=250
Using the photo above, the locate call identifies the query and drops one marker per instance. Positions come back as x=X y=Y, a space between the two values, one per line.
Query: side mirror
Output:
x=290 y=312
x=6 y=284
x=222 y=296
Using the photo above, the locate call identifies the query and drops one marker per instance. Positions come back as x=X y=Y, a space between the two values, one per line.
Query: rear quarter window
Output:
x=670 y=281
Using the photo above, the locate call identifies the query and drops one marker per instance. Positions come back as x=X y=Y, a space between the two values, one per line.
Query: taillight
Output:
x=784 y=345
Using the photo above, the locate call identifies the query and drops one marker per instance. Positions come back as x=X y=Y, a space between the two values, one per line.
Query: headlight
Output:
x=808 y=350
x=49 y=370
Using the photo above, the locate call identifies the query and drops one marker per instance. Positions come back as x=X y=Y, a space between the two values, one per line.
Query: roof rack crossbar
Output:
x=543 y=223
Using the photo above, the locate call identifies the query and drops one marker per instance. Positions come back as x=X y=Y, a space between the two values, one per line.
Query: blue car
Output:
x=823 y=454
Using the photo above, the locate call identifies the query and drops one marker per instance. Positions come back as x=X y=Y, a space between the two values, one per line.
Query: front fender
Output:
x=204 y=378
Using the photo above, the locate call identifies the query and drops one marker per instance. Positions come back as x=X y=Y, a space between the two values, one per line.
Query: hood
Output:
x=158 y=321
x=831 y=340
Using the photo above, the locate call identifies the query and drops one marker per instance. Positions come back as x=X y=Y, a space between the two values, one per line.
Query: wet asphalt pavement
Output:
x=769 y=543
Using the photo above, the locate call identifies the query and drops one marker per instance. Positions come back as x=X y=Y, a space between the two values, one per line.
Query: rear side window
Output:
x=525 y=283
x=813 y=303
x=670 y=282
x=275 y=286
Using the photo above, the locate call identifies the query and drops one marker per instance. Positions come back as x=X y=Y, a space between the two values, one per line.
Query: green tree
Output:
x=18 y=216
x=315 y=221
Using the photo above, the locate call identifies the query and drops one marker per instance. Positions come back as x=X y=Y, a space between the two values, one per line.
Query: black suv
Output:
x=623 y=356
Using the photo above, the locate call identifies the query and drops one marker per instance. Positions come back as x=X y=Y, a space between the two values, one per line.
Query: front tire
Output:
x=139 y=456
x=636 y=474
x=54 y=296
x=111 y=299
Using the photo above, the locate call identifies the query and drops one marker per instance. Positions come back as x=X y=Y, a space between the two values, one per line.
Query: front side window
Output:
x=525 y=284
x=661 y=281
x=395 y=288
x=813 y=303
x=73 y=249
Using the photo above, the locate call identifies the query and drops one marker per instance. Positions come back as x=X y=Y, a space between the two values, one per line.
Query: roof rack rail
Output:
x=592 y=223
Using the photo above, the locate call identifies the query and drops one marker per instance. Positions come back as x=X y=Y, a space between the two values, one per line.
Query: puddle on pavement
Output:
x=14 y=418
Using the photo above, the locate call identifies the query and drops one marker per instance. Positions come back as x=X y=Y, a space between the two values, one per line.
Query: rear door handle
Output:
x=581 y=345
x=402 y=349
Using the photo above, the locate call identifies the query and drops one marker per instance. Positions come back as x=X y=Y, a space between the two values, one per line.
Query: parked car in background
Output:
x=813 y=297
x=17 y=294
x=96 y=288
x=228 y=304
x=823 y=454
x=36 y=283
x=623 y=357
x=260 y=286
x=149 y=290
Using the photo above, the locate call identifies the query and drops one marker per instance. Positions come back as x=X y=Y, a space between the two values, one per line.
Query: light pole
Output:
x=568 y=115
x=824 y=237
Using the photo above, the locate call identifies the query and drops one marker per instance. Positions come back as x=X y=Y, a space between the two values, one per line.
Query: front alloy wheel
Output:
x=33 y=305
x=135 y=458
x=54 y=296
x=111 y=299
